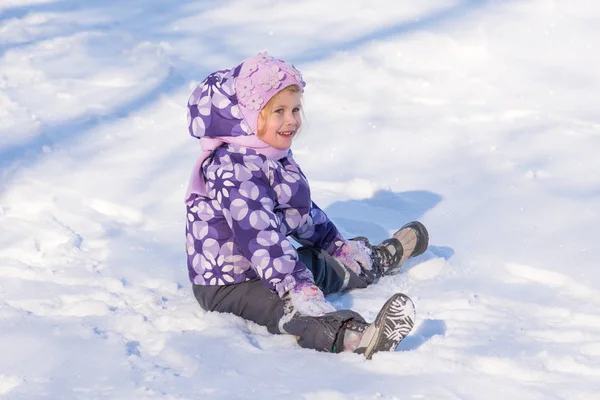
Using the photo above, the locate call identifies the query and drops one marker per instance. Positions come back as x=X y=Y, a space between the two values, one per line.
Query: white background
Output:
x=479 y=118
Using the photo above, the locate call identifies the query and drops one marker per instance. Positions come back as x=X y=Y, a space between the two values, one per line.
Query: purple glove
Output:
x=355 y=256
x=308 y=300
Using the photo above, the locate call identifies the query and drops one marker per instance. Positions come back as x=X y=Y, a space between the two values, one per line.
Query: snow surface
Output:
x=479 y=118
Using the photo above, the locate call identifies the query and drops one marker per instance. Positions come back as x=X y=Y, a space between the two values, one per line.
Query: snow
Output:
x=478 y=118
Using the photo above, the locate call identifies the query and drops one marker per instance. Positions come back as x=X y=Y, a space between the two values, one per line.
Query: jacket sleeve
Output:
x=319 y=231
x=240 y=185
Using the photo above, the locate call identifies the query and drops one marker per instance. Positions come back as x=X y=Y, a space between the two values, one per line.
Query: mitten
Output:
x=354 y=255
x=309 y=300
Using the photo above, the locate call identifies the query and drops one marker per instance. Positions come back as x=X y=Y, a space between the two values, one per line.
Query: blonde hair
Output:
x=266 y=110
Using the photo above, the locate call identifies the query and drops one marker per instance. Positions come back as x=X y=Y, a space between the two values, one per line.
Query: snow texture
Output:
x=479 y=118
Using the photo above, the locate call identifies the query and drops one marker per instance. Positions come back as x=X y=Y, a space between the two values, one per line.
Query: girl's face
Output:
x=283 y=122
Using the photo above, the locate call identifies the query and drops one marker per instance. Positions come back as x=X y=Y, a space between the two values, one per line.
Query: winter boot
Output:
x=388 y=256
x=414 y=239
x=393 y=323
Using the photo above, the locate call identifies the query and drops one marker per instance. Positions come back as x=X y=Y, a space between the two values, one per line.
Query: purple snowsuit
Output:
x=239 y=232
x=242 y=206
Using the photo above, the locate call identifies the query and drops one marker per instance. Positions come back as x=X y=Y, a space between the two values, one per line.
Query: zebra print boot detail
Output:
x=393 y=323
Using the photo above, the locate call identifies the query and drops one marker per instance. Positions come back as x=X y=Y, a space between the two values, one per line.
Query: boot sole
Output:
x=394 y=322
x=422 y=237
x=422 y=243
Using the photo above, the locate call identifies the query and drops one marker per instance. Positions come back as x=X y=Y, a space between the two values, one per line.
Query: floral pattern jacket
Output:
x=239 y=231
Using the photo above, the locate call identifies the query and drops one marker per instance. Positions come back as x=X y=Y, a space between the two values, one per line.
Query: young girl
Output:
x=247 y=195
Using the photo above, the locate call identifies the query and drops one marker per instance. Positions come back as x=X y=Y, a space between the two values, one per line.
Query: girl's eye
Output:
x=279 y=111
x=296 y=110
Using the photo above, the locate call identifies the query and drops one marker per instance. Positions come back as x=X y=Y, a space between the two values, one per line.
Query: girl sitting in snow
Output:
x=247 y=194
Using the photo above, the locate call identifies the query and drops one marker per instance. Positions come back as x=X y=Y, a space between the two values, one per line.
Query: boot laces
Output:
x=387 y=254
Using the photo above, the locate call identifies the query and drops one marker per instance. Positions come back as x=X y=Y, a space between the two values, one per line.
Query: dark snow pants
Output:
x=253 y=301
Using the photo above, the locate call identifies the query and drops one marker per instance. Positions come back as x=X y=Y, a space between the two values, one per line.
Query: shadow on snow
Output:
x=146 y=21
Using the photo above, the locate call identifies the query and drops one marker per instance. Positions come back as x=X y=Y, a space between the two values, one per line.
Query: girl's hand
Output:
x=308 y=300
x=354 y=255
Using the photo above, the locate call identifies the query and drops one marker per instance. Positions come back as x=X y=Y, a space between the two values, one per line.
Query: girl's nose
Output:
x=290 y=119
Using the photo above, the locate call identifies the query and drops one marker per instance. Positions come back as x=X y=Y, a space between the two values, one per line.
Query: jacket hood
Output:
x=227 y=103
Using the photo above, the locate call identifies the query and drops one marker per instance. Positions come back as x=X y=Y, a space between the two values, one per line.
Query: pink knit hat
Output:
x=260 y=78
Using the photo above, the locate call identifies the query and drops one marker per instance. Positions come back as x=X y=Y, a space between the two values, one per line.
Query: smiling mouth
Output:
x=286 y=133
